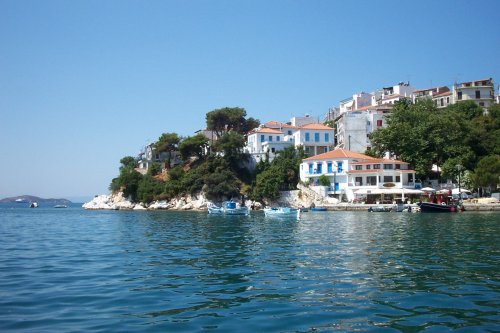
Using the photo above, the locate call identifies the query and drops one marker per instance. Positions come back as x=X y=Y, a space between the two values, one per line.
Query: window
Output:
x=359 y=167
x=340 y=167
x=371 y=180
x=278 y=138
x=262 y=138
x=387 y=179
x=310 y=168
x=478 y=94
x=442 y=101
x=459 y=95
x=336 y=187
x=398 y=179
x=270 y=138
x=398 y=166
x=368 y=167
x=319 y=168
x=379 y=123
x=359 y=181
x=447 y=100
x=273 y=150
x=329 y=167
x=289 y=132
x=327 y=137
x=316 y=137
x=388 y=166
x=308 y=137
x=376 y=166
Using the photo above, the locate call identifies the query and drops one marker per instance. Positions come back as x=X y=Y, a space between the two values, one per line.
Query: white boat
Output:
x=228 y=208
x=34 y=204
x=282 y=212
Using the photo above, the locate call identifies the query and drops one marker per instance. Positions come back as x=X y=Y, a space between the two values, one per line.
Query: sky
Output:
x=85 y=83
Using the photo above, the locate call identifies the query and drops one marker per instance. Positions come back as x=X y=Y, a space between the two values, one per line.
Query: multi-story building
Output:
x=482 y=92
x=441 y=96
x=264 y=142
x=353 y=128
x=390 y=95
x=315 y=138
x=274 y=136
x=353 y=174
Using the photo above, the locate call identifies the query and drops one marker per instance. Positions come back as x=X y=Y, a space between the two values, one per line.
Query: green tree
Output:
x=231 y=146
x=230 y=119
x=128 y=180
x=267 y=185
x=168 y=143
x=193 y=146
x=324 y=180
x=487 y=172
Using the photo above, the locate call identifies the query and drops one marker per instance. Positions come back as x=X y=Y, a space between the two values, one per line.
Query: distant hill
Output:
x=31 y=198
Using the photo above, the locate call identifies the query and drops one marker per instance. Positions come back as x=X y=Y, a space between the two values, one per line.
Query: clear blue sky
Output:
x=85 y=83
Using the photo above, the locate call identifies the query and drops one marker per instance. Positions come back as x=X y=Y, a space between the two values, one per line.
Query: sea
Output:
x=73 y=270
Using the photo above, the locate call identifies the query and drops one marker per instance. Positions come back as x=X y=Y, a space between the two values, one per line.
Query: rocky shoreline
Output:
x=199 y=203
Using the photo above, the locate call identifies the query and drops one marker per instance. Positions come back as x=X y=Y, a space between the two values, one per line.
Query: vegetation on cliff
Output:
x=461 y=139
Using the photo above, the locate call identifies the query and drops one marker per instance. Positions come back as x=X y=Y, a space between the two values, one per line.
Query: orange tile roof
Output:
x=268 y=130
x=338 y=153
x=374 y=107
x=316 y=127
x=443 y=94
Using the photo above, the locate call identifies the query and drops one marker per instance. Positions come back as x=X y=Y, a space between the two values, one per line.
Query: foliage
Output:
x=487 y=172
x=148 y=189
x=267 y=185
x=230 y=119
x=193 y=146
x=231 y=145
x=281 y=174
x=128 y=180
x=167 y=142
x=324 y=180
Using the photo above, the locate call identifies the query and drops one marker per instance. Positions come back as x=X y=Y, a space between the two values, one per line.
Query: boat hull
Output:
x=427 y=207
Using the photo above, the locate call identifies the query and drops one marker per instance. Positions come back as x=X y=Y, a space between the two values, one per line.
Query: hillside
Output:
x=31 y=198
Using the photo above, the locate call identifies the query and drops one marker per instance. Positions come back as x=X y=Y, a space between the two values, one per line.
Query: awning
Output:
x=405 y=191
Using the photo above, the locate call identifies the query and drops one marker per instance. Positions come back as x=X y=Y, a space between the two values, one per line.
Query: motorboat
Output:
x=34 y=204
x=429 y=207
x=318 y=209
x=379 y=209
x=282 y=212
x=60 y=206
x=228 y=208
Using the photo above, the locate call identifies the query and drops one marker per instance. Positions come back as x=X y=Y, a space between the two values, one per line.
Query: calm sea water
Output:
x=71 y=270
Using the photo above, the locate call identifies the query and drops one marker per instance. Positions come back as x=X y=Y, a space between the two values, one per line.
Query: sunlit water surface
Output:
x=70 y=270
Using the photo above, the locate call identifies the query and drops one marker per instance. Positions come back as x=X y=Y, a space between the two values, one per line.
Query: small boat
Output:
x=20 y=200
x=34 y=204
x=228 y=208
x=379 y=209
x=60 y=206
x=282 y=212
x=318 y=209
x=429 y=207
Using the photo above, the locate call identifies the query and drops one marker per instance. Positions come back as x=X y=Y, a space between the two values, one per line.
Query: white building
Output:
x=315 y=138
x=353 y=175
x=357 y=101
x=441 y=96
x=354 y=127
x=390 y=95
x=264 y=142
x=482 y=92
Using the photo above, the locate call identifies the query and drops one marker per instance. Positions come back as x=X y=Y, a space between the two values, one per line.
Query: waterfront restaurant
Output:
x=357 y=177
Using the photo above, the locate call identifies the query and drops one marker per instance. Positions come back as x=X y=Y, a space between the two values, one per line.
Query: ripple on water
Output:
x=165 y=271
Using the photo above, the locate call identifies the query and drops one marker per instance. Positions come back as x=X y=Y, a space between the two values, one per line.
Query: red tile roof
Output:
x=316 y=127
x=338 y=153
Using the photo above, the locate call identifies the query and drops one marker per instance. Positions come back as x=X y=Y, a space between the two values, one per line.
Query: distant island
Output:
x=32 y=198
